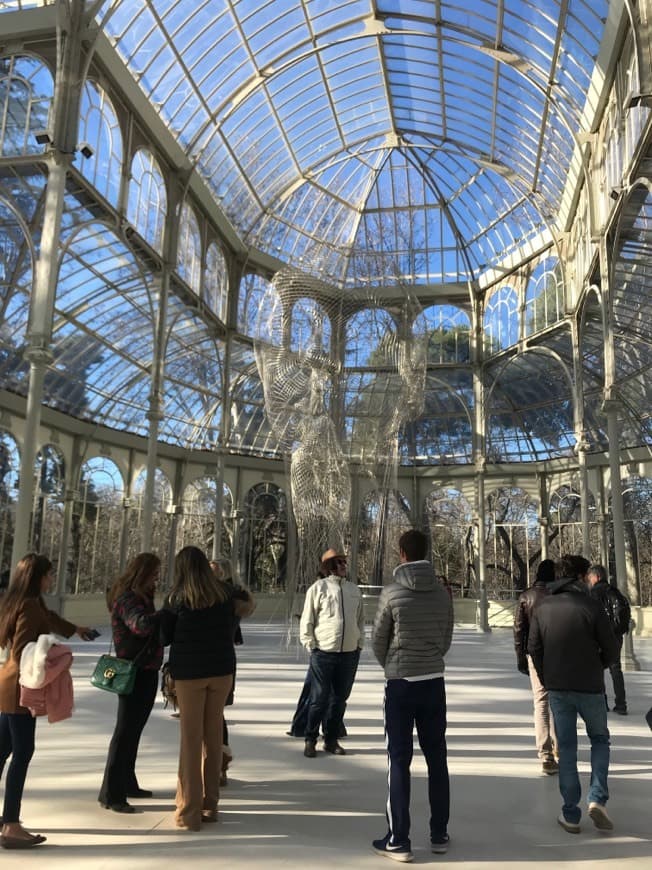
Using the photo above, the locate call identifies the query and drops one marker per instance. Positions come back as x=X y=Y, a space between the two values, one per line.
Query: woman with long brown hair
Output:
x=135 y=625
x=198 y=621
x=23 y=618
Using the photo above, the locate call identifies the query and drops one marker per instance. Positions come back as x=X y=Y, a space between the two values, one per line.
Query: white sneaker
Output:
x=571 y=827
x=599 y=817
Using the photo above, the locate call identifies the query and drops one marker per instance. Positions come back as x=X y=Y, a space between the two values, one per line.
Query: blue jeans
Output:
x=565 y=708
x=421 y=703
x=331 y=680
x=17 y=732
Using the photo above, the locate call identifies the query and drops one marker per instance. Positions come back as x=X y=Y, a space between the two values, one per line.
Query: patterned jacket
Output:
x=136 y=628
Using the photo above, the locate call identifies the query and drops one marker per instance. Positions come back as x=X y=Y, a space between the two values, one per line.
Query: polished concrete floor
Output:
x=282 y=810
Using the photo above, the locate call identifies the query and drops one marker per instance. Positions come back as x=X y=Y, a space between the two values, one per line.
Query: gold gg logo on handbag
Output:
x=109 y=674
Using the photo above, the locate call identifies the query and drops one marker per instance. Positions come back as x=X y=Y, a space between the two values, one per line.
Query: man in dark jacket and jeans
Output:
x=571 y=643
x=412 y=633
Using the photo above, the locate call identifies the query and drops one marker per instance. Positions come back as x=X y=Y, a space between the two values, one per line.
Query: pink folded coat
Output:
x=54 y=697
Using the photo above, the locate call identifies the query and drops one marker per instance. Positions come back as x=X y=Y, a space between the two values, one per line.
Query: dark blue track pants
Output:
x=421 y=703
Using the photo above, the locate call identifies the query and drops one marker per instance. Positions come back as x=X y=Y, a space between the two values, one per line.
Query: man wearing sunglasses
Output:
x=332 y=628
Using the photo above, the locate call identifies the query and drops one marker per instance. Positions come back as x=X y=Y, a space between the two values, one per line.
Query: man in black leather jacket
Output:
x=544 y=726
x=571 y=643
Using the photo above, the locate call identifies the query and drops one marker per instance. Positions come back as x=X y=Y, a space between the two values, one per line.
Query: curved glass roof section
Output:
x=307 y=119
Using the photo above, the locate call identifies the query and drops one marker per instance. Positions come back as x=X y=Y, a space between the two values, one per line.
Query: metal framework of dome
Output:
x=367 y=235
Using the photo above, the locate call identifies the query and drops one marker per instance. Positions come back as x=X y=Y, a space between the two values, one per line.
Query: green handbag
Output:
x=114 y=675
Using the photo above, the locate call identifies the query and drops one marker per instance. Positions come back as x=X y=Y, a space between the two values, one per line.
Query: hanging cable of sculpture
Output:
x=327 y=421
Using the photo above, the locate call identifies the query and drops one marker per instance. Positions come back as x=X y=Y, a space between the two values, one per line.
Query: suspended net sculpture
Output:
x=333 y=409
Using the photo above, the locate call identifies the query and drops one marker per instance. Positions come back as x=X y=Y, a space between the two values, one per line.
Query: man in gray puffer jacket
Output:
x=412 y=633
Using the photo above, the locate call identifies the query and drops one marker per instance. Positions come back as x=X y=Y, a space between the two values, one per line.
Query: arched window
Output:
x=263 y=539
x=501 y=320
x=529 y=409
x=637 y=505
x=253 y=289
x=161 y=518
x=9 y=472
x=367 y=334
x=310 y=331
x=47 y=512
x=26 y=92
x=384 y=516
x=544 y=297
x=189 y=249
x=197 y=526
x=147 y=205
x=513 y=541
x=216 y=281
x=96 y=527
x=447 y=330
x=565 y=532
x=99 y=129
x=636 y=115
x=448 y=515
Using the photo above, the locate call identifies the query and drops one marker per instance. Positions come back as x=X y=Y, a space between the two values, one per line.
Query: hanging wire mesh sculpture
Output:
x=332 y=410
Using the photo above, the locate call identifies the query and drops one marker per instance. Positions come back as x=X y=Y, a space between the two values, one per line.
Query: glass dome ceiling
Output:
x=438 y=136
x=406 y=142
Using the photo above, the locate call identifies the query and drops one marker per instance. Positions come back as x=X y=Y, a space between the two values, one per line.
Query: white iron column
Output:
x=611 y=408
x=581 y=450
x=479 y=456
x=482 y=618
x=355 y=520
x=154 y=417
x=543 y=514
x=224 y=438
x=39 y=336
x=219 y=502
x=156 y=403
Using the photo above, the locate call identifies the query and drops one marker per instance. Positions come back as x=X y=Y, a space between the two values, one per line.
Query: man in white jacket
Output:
x=332 y=628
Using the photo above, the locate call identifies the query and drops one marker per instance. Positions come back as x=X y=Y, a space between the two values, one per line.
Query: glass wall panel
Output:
x=96 y=534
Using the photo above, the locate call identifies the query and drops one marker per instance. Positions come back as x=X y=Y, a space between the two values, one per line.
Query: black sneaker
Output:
x=397 y=852
x=571 y=827
x=439 y=845
x=621 y=710
x=334 y=748
x=310 y=748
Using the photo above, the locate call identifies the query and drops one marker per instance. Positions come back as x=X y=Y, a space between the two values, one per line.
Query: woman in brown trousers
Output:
x=198 y=622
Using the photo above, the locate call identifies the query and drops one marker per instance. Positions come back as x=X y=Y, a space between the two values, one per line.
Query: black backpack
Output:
x=618 y=611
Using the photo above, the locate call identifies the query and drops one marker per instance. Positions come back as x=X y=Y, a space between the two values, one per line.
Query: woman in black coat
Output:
x=198 y=622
